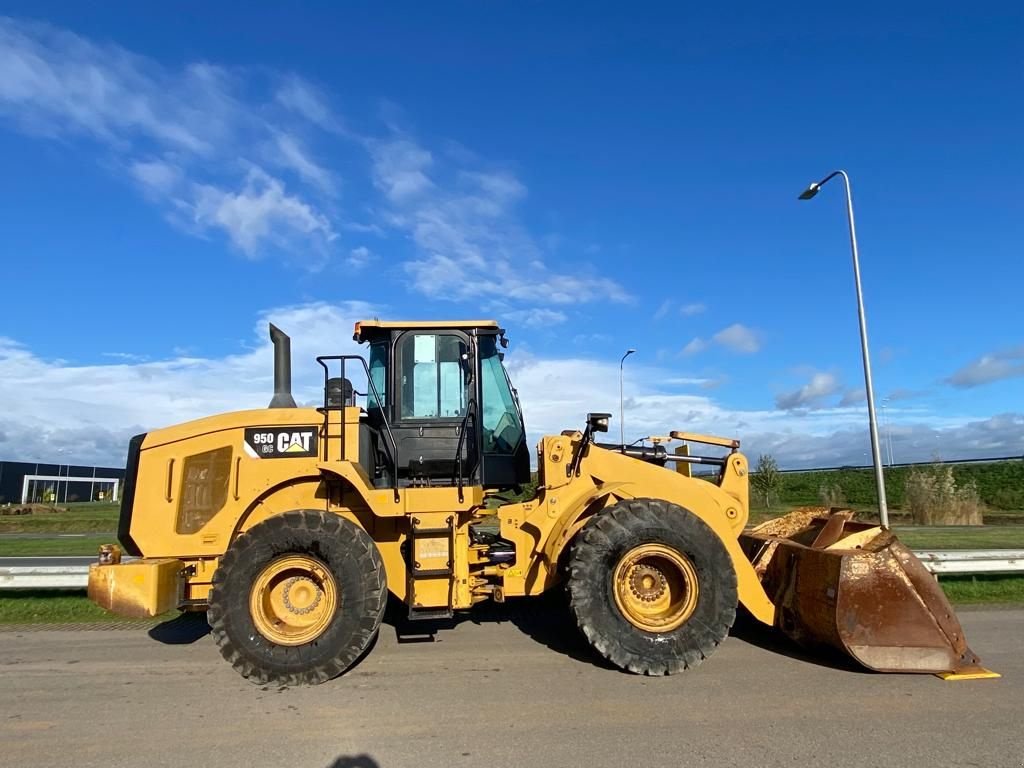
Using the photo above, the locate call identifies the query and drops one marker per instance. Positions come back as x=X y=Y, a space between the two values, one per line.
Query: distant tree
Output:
x=766 y=478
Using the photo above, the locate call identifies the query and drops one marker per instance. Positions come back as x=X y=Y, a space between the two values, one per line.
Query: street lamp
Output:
x=56 y=489
x=888 y=428
x=807 y=194
x=622 y=414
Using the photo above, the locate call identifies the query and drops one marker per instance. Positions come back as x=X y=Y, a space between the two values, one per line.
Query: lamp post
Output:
x=888 y=428
x=622 y=413
x=876 y=453
x=56 y=489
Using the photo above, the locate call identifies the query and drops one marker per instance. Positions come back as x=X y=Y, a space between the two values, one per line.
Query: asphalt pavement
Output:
x=508 y=688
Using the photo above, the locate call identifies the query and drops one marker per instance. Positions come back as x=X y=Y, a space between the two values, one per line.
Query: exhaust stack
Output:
x=282 y=369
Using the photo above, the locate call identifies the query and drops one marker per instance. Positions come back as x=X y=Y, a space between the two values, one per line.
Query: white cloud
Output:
x=293 y=155
x=686 y=310
x=211 y=146
x=536 y=317
x=853 y=397
x=470 y=243
x=738 y=338
x=591 y=339
x=304 y=99
x=359 y=258
x=905 y=394
x=499 y=190
x=92 y=410
x=399 y=168
x=1005 y=364
x=260 y=212
x=57 y=83
x=129 y=356
x=694 y=346
x=184 y=136
x=690 y=381
x=811 y=394
x=156 y=176
x=557 y=394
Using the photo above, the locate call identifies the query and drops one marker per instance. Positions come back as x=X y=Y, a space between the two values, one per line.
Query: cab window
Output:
x=502 y=423
x=433 y=384
x=378 y=375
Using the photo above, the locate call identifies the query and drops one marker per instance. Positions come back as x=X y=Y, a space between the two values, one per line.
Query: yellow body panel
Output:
x=543 y=527
x=137 y=589
x=251 y=482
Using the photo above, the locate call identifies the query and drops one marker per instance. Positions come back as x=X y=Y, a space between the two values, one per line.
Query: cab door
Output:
x=432 y=397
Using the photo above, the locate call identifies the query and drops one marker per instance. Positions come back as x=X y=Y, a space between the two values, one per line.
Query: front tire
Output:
x=651 y=586
x=298 y=598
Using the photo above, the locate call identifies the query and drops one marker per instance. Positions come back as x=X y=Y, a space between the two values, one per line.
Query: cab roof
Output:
x=366 y=328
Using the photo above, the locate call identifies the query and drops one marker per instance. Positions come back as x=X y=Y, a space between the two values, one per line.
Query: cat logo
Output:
x=298 y=442
x=281 y=442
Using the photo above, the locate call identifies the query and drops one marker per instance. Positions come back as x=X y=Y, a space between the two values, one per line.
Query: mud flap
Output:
x=855 y=588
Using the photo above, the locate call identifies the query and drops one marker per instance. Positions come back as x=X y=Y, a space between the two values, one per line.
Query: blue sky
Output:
x=597 y=177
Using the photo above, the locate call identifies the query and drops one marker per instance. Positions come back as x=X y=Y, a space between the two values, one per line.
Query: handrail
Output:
x=458 y=449
x=380 y=401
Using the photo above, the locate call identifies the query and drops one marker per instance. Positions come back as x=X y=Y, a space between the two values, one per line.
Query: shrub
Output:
x=1007 y=498
x=831 y=494
x=934 y=498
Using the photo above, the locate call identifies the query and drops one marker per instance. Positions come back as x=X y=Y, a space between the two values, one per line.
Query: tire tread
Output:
x=303 y=530
x=617 y=529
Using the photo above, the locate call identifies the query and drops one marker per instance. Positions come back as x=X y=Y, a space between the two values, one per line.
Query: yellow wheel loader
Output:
x=290 y=526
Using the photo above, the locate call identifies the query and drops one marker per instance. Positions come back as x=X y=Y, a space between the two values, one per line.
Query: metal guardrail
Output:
x=44 y=577
x=938 y=562
x=972 y=561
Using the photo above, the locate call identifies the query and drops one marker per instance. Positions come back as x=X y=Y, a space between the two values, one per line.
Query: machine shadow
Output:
x=354 y=761
x=184 y=629
x=544 y=619
x=749 y=630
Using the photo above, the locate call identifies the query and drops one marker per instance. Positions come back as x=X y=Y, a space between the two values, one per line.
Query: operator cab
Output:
x=440 y=408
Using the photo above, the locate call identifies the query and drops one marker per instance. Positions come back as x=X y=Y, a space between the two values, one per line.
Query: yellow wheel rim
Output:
x=293 y=600
x=656 y=588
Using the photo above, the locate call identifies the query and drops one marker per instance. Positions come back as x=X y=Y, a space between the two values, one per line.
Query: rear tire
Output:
x=344 y=596
x=651 y=586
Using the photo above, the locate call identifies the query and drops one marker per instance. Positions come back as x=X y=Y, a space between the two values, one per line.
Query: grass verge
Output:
x=984 y=588
x=55 y=547
x=76 y=518
x=51 y=606
x=963 y=537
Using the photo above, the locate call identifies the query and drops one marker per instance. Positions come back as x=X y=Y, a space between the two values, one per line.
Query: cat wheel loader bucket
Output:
x=855 y=588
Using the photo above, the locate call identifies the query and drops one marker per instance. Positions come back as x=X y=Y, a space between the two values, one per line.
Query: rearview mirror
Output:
x=598 y=422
